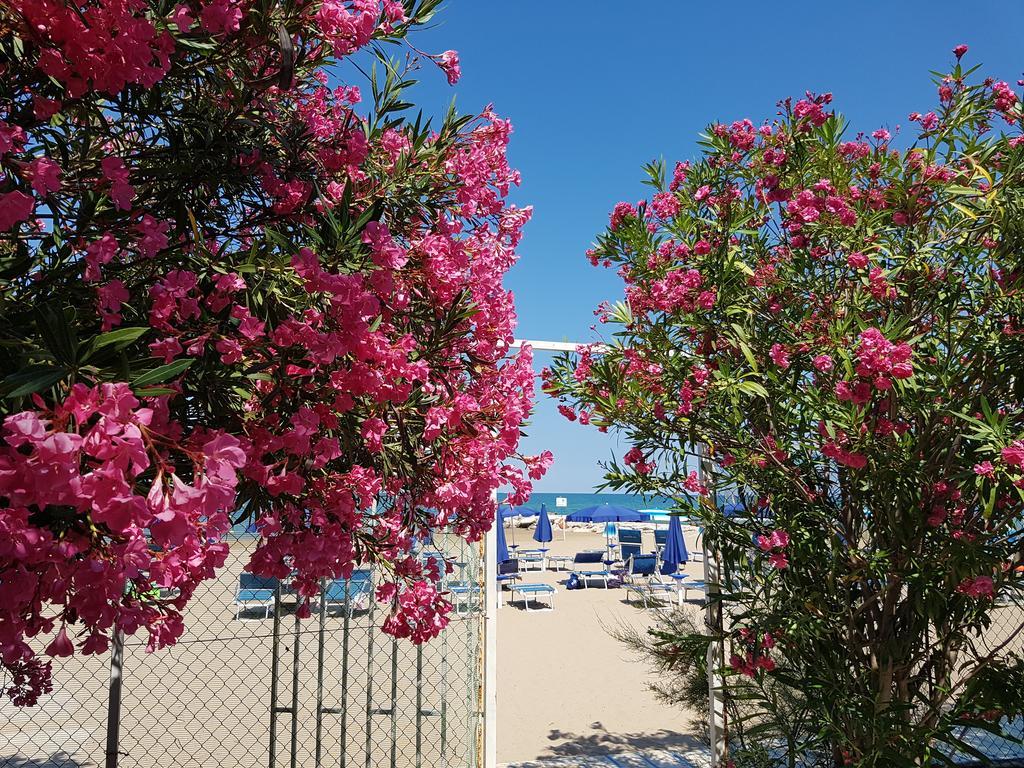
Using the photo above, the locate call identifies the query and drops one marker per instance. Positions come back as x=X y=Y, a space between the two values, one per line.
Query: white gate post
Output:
x=716 y=705
x=714 y=619
x=491 y=598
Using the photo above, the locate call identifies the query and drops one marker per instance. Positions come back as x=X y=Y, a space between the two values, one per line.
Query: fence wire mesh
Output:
x=341 y=692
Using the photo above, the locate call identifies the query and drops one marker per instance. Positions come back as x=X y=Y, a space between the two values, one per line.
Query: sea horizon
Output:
x=577 y=501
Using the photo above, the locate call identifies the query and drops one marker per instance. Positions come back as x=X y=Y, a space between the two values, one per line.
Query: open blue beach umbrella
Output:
x=543 y=531
x=507 y=510
x=502 y=545
x=605 y=513
x=675 y=546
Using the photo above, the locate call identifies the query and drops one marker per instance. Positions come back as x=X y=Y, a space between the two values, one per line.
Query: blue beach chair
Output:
x=630 y=536
x=353 y=594
x=508 y=572
x=660 y=539
x=629 y=551
x=255 y=591
x=641 y=579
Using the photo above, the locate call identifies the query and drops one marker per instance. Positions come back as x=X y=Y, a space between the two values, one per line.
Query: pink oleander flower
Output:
x=121 y=192
x=44 y=108
x=61 y=645
x=373 y=432
x=857 y=260
x=1013 y=454
x=979 y=587
x=620 y=213
x=985 y=469
x=220 y=17
x=823 y=363
x=538 y=465
x=15 y=207
x=111 y=298
x=45 y=175
x=779 y=355
x=665 y=205
x=449 y=63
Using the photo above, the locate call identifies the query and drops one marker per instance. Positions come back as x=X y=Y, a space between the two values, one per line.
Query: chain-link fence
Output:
x=251 y=685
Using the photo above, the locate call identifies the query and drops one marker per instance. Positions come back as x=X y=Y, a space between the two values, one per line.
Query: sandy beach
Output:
x=565 y=686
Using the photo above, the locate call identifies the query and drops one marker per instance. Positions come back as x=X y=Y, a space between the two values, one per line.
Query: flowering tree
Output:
x=839 y=325
x=225 y=286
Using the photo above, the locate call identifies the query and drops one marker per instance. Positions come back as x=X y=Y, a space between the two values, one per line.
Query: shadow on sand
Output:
x=601 y=742
x=56 y=760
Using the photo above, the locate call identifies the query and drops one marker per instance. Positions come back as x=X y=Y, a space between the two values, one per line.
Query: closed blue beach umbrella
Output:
x=543 y=532
x=502 y=545
x=675 y=553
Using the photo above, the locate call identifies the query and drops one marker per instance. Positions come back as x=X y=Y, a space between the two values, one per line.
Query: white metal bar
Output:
x=713 y=617
x=557 y=346
x=491 y=598
x=547 y=346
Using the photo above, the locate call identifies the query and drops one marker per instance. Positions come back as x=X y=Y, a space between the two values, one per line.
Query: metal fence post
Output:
x=275 y=667
x=114 y=699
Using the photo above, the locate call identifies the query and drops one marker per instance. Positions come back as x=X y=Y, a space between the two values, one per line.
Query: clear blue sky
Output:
x=596 y=89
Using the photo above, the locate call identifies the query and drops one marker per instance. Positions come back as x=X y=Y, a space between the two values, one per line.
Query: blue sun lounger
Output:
x=527 y=592
x=592 y=556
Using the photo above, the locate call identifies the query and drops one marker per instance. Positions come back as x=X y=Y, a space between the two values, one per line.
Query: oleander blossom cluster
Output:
x=295 y=321
x=80 y=526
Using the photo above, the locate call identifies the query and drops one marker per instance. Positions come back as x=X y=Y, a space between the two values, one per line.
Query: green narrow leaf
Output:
x=58 y=335
x=32 y=379
x=121 y=337
x=163 y=373
x=155 y=391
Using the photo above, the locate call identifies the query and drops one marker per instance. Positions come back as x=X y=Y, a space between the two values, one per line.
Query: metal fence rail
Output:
x=266 y=689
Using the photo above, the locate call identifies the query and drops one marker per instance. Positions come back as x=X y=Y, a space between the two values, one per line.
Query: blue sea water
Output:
x=577 y=501
x=573 y=503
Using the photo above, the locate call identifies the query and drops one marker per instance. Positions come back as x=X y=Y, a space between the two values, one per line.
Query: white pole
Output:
x=491 y=598
x=713 y=617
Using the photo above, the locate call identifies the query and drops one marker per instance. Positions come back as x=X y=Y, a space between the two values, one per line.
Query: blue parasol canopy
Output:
x=507 y=510
x=543 y=531
x=675 y=552
x=502 y=545
x=605 y=513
